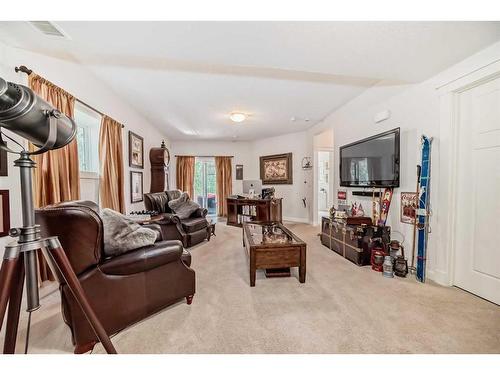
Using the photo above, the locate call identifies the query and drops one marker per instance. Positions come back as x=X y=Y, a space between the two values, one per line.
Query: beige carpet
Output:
x=341 y=308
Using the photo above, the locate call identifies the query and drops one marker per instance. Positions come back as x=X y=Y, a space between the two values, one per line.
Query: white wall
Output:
x=416 y=110
x=78 y=81
x=248 y=153
x=297 y=144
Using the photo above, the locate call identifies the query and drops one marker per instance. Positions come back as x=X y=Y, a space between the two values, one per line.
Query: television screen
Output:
x=371 y=162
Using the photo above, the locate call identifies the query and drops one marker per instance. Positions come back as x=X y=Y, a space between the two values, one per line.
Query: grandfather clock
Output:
x=160 y=159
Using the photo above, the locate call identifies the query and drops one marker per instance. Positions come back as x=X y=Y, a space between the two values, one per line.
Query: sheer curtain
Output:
x=56 y=176
x=184 y=174
x=223 y=171
x=112 y=182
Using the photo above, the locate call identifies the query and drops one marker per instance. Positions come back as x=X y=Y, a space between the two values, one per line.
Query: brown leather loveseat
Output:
x=190 y=231
x=123 y=289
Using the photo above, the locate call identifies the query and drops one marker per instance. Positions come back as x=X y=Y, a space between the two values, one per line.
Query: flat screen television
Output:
x=371 y=162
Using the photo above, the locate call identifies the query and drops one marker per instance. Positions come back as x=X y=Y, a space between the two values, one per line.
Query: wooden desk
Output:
x=240 y=210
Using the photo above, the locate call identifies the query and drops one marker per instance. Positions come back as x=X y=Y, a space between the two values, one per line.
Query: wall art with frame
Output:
x=239 y=171
x=135 y=150
x=276 y=169
x=408 y=206
x=136 y=187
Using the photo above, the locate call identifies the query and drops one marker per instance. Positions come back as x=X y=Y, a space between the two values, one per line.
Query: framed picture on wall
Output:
x=135 y=150
x=239 y=172
x=408 y=207
x=276 y=169
x=4 y=213
x=4 y=167
x=136 y=188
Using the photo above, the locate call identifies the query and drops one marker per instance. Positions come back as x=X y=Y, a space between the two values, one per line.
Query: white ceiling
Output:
x=186 y=77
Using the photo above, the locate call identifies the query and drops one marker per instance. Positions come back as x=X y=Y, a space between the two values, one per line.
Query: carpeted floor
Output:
x=341 y=308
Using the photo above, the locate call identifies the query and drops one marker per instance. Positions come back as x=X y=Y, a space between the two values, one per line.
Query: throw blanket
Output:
x=183 y=207
x=122 y=234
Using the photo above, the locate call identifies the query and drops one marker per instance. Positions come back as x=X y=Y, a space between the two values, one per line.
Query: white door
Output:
x=477 y=238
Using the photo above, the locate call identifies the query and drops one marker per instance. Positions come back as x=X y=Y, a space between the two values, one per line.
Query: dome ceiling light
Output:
x=238 y=116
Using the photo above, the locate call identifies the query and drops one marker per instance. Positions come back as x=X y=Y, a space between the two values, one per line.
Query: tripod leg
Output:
x=59 y=259
x=6 y=279
x=16 y=295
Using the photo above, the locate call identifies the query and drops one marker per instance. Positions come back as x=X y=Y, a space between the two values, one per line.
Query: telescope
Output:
x=26 y=114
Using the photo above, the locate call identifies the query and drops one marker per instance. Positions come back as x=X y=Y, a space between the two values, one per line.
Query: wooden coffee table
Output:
x=271 y=246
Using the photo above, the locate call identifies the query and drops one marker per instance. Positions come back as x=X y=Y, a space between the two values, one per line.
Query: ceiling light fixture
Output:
x=237 y=116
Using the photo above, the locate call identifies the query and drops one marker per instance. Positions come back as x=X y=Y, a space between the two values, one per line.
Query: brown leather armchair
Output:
x=123 y=289
x=190 y=231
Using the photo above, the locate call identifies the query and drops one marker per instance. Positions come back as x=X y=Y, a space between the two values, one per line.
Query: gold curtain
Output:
x=224 y=178
x=56 y=176
x=185 y=174
x=111 y=187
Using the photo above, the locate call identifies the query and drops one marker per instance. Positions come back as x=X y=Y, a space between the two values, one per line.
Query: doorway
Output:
x=476 y=258
x=205 y=185
x=324 y=184
x=323 y=181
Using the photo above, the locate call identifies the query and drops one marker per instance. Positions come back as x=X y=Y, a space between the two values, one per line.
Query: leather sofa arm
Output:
x=143 y=259
x=169 y=219
x=200 y=212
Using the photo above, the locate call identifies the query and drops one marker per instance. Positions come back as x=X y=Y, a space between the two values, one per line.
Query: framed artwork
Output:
x=276 y=169
x=136 y=193
x=239 y=172
x=408 y=206
x=4 y=167
x=4 y=213
x=135 y=150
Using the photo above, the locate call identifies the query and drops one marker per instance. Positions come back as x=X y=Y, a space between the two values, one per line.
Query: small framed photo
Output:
x=4 y=213
x=135 y=150
x=408 y=205
x=136 y=193
x=4 y=167
x=239 y=171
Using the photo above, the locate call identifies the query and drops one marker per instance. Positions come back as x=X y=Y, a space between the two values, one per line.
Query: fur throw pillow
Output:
x=122 y=234
x=183 y=207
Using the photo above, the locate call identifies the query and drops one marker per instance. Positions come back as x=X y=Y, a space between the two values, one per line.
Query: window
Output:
x=205 y=184
x=88 y=124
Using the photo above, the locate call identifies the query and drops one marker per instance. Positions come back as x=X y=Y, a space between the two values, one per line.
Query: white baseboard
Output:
x=296 y=219
x=439 y=277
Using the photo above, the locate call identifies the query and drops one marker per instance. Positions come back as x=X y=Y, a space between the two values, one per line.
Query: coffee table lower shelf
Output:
x=278 y=272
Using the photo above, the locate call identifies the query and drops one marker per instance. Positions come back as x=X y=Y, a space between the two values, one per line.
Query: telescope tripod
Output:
x=20 y=264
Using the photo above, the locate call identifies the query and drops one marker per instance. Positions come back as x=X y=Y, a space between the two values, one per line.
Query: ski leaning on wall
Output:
x=423 y=207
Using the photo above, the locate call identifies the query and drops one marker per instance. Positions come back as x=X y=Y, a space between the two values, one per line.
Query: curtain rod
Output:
x=206 y=156
x=28 y=71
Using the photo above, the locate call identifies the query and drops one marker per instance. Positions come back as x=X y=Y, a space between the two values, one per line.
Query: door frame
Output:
x=317 y=150
x=449 y=132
